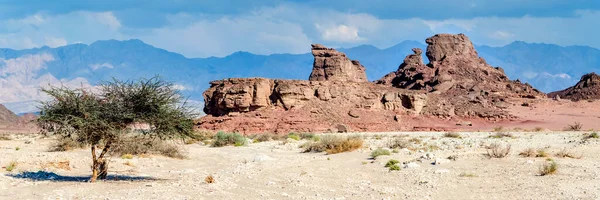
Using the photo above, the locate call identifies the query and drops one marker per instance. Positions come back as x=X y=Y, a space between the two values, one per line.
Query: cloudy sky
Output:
x=217 y=28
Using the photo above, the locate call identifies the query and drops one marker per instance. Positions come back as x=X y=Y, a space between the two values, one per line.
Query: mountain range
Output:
x=547 y=67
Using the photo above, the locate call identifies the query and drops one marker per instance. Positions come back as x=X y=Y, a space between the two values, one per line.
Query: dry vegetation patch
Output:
x=496 y=150
x=548 y=168
x=333 y=144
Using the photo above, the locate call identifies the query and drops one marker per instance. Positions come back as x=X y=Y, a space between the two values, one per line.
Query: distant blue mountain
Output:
x=545 y=66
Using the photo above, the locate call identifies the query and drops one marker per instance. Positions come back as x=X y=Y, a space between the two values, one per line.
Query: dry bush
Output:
x=66 y=144
x=209 y=179
x=574 y=127
x=415 y=140
x=548 y=168
x=468 y=175
x=333 y=144
x=4 y=136
x=146 y=145
x=592 y=135
x=452 y=135
x=11 y=166
x=398 y=143
x=498 y=129
x=127 y=156
x=502 y=135
x=199 y=136
x=565 y=153
x=497 y=150
x=529 y=152
x=541 y=153
x=538 y=129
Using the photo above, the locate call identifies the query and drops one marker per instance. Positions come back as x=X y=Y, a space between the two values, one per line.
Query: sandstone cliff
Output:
x=332 y=65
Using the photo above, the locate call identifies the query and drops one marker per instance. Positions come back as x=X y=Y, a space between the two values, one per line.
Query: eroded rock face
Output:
x=588 y=88
x=332 y=65
x=7 y=117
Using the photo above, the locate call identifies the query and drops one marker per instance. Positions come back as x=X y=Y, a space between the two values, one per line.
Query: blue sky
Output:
x=217 y=28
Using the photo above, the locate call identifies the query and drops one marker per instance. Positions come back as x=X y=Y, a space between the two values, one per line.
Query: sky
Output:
x=203 y=28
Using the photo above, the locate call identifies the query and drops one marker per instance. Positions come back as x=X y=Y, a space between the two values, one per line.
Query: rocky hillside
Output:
x=7 y=118
x=588 y=88
x=457 y=83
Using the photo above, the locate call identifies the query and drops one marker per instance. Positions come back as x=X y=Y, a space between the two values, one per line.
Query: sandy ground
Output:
x=277 y=170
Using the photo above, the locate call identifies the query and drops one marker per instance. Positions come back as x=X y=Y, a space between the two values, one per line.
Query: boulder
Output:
x=332 y=65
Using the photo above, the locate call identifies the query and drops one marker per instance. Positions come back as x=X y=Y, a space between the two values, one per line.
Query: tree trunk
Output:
x=99 y=165
x=94 y=165
x=102 y=169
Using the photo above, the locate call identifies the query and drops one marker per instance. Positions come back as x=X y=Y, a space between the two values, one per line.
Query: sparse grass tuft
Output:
x=293 y=136
x=17 y=148
x=394 y=168
x=592 y=135
x=574 y=127
x=145 y=145
x=128 y=163
x=497 y=150
x=11 y=166
x=498 y=129
x=538 y=129
x=64 y=165
x=452 y=135
x=4 y=136
x=565 y=153
x=380 y=152
x=392 y=165
x=223 y=139
x=333 y=144
x=529 y=152
x=209 y=179
x=65 y=144
x=468 y=175
x=541 y=153
x=548 y=168
x=415 y=140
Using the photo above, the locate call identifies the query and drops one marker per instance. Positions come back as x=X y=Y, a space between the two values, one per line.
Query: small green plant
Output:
x=468 y=175
x=395 y=151
x=391 y=162
x=565 y=153
x=398 y=143
x=293 y=136
x=364 y=162
x=328 y=158
x=17 y=148
x=11 y=166
x=574 y=127
x=127 y=156
x=548 y=168
x=379 y=152
x=394 y=168
x=452 y=135
x=224 y=139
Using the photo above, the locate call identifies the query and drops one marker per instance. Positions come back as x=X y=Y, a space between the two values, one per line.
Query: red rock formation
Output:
x=588 y=88
x=332 y=65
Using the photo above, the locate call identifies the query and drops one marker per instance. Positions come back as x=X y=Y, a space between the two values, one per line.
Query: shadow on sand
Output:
x=51 y=176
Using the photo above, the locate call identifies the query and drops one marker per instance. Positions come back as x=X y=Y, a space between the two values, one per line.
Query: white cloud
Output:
x=339 y=33
x=107 y=18
x=20 y=78
x=501 y=35
x=95 y=67
x=55 y=42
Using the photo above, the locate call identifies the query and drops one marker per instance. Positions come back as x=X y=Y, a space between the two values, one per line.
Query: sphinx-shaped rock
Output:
x=588 y=88
x=332 y=65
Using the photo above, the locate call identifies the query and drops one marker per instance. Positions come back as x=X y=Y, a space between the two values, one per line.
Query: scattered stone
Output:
x=441 y=171
x=411 y=165
x=439 y=161
x=342 y=128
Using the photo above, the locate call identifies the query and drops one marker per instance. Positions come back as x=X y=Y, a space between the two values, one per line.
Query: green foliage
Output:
x=333 y=144
x=17 y=148
x=379 y=152
x=548 y=168
x=293 y=136
x=224 y=139
x=391 y=163
x=11 y=166
x=394 y=168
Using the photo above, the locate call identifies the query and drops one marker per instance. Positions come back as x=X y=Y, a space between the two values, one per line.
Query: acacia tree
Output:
x=99 y=118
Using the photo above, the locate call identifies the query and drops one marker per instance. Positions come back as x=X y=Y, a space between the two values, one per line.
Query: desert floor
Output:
x=278 y=170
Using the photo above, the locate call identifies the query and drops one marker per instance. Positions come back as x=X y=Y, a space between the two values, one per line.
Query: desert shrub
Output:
x=529 y=152
x=11 y=166
x=293 y=136
x=380 y=152
x=502 y=135
x=452 y=135
x=333 y=144
x=392 y=165
x=391 y=162
x=17 y=148
x=415 y=140
x=127 y=156
x=497 y=150
x=224 y=139
x=538 y=129
x=574 y=127
x=565 y=153
x=263 y=137
x=209 y=179
x=66 y=144
x=548 y=168
x=140 y=145
x=4 y=136
x=592 y=135
x=498 y=129
x=198 y=136
x=398 y=143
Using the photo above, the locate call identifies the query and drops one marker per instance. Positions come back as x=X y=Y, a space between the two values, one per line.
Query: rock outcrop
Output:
x=588 y=88
x=457 y=83
x=332 y=65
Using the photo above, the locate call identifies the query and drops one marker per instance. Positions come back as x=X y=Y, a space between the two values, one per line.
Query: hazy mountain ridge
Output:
x=547 y=67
